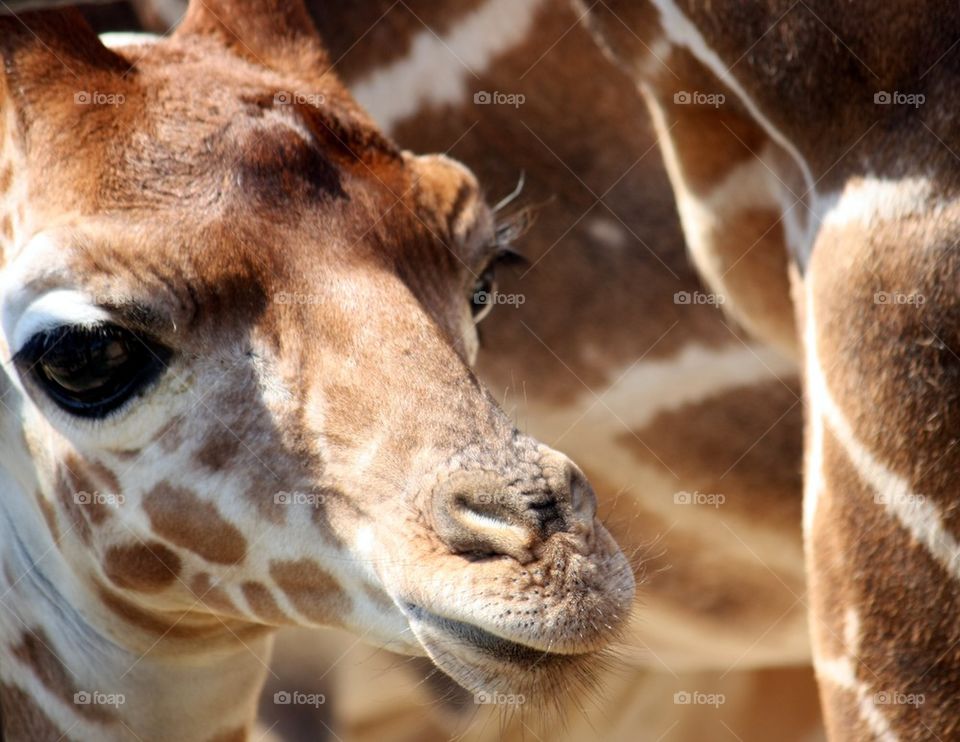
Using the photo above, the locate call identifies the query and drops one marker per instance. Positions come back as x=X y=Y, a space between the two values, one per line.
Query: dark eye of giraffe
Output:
x=92 y=371
x=484 y=294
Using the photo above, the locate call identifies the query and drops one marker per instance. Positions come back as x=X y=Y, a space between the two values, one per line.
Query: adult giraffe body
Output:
x=232 y=400
x=849 y=110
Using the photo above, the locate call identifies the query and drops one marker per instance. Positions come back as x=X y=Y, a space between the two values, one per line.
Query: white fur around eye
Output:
x=52 y=310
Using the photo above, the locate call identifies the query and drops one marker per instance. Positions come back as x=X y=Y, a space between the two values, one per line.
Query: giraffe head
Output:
x=237 y=329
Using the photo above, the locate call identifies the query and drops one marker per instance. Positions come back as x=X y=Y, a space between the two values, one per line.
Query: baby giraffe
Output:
x=236 y=336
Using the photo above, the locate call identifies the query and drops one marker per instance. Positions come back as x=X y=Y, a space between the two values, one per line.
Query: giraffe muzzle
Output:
x=484 y=513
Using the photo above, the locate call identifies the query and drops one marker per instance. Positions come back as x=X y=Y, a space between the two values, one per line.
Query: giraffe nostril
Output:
x=487 y=508
x=484 y=513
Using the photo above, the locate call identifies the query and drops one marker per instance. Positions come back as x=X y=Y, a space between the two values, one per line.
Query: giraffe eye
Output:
x=484 y=294
x=92 y=371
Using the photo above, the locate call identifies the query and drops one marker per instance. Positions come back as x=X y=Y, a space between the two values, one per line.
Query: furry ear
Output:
x=274 y=33
x=50 y=43
x=52 y=58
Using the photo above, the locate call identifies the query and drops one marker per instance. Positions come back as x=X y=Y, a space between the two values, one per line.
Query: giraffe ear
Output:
x=49 y=57
x=274 y=33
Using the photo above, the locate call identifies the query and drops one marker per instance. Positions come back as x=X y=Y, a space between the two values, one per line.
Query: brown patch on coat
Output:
x=6 y=227
x=734 y=443
x=79 y=480
x=145 y=567
x=863 y=559
x=264 y=498
x=6 y=176
x=49 y=515
x=218 y=450
x=34 y=652
x=311 y=589
x=211 y=595
x=184 y=519
x=262 y=603
x=75 y=514
x=23 y=719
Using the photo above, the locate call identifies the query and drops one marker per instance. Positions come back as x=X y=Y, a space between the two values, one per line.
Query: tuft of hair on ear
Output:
x=50 y=43
x=279 y=34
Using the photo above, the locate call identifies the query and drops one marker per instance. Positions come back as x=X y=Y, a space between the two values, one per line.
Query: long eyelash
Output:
x=42 y=342
x=510 y=228
x=511 y=197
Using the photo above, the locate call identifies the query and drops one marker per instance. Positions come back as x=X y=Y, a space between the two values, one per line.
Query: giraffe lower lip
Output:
x=477 y=638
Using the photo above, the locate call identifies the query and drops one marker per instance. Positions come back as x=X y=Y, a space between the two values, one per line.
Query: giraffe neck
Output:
x=69 y=667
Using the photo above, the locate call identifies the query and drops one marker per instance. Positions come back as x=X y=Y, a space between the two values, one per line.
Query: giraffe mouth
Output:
x=477 y=639
x=494 y=667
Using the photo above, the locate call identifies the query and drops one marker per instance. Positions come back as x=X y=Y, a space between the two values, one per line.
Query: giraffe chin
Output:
x=498 y=670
